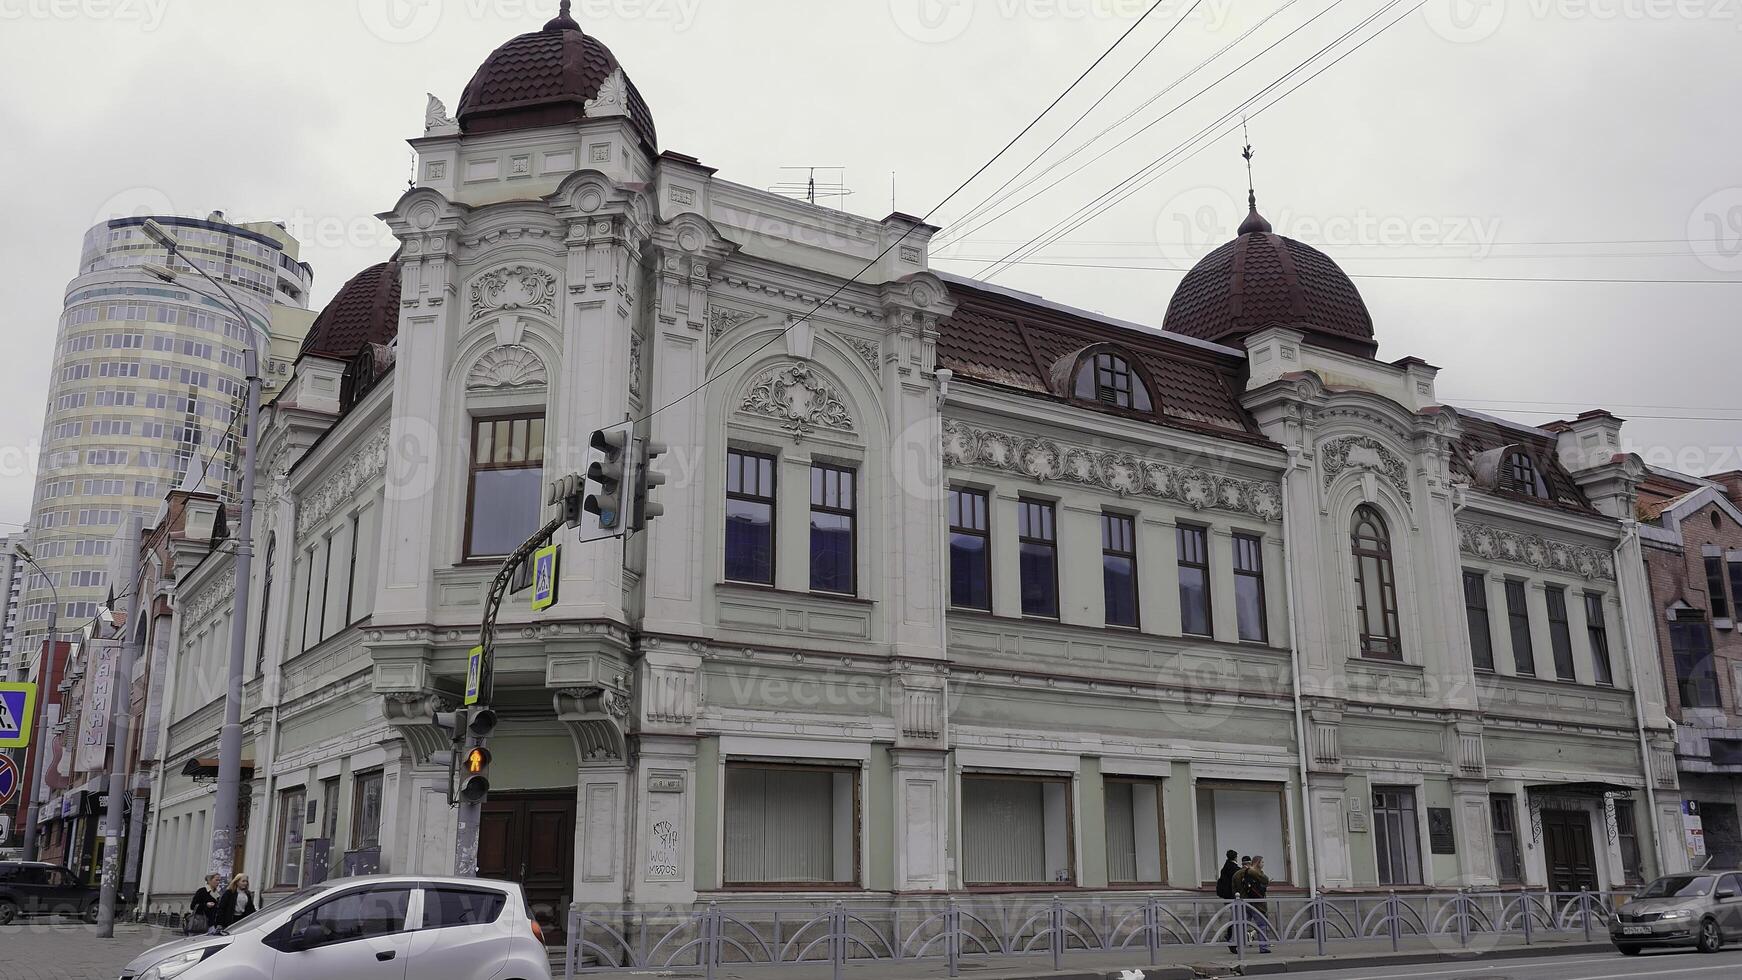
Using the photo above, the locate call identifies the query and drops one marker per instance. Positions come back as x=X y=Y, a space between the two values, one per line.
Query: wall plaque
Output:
x=1441 y=839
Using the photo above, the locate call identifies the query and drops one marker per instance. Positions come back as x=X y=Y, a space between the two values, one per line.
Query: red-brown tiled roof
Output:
x=546 y=78
x=998 y=338
x=1262 y=279
x=364 y=311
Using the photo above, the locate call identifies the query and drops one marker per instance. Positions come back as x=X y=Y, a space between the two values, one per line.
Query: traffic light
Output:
x=475 y=774
x=455 y=724
x=567 y=494
x=482 y=723
x=608 y=472
x=647 y=479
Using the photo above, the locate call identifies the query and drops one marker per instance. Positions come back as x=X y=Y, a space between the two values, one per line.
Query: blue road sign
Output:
x=474 y=674
x=8 y=780
x=17 y=706
x=544 y=578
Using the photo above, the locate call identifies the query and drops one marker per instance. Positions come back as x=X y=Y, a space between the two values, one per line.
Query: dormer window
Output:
x=1109 y=379
x=1520 y=475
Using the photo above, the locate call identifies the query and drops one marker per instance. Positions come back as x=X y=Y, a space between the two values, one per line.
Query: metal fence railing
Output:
x=840 y=934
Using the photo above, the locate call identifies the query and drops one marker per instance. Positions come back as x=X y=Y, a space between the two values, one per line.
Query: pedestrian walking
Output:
x=1225 y=885
x=203 y=907
x=1255 y=885
x=236 y=902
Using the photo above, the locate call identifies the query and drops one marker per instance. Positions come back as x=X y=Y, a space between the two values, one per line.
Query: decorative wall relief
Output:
x=513 y=288
x=721 y=320
x=1499 y=544
x=1367 y=453
x=508 y=366
x=799 y=398
x=869 y=351
x=1046 y=460
x=635 y=365
x=361 y=467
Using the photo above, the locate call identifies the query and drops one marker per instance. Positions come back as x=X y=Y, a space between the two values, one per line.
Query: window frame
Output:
x=850 y=478
x=1070 y=828
x=1112 y=379
x=1387 y=647
x=1627 y=842
x=1158 y=784
x=1499 y=803
x=770 y=499
x=1717 y=594
x=359 y=780
x=1255 y=548
x=1111 y=523
x=1200 y=535
x=1597 y=636
x=290 y=820
x=473 y=468
x=1520 y=474
x=1408 y=835
x=1481 y=639
x=1560 y=632
x=1518 y=627
x=1048 y=510
x=1701 y=627
x=958 y=495
x=857 y=828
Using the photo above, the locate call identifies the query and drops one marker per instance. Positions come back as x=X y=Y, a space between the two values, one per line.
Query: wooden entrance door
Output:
x=530 y=838
x=1572 y=862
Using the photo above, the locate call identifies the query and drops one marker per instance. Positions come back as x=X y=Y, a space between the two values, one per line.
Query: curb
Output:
x=1210 y=969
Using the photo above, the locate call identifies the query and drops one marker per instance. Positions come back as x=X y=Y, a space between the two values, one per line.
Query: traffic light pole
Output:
x=466 y=828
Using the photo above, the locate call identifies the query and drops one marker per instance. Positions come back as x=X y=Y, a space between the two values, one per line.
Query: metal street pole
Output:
x=225 y=807
x=41 y=739
x=121 y=697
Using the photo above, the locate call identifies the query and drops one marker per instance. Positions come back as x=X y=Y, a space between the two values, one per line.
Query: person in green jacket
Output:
x=1253 y=885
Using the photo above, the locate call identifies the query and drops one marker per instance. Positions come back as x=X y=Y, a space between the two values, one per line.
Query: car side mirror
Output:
x=1726 y=894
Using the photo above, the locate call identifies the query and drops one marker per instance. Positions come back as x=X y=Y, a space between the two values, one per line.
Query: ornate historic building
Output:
x=955 y=587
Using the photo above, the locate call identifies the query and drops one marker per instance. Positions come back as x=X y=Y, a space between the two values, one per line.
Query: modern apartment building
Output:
x=144 y=394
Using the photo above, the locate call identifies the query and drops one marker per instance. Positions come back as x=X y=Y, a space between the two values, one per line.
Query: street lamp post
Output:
x=225 y=807
x=41 y=742
x=120 y=728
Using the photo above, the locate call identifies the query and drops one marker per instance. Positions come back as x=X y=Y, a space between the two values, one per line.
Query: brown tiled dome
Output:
x=546 y=78
x=364 y=311
x=1262 y=279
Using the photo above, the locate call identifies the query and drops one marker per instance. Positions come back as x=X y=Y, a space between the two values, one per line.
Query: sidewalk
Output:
x=1174 y=962
x=65 y=950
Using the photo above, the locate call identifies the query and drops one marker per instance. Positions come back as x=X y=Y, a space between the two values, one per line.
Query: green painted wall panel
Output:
x=707 y=835
x=1092 y=824
x=1179 y=816
x=879 y=803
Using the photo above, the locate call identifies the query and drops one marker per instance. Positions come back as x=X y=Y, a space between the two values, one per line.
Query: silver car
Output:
x=1700 y=909
x=391 y=927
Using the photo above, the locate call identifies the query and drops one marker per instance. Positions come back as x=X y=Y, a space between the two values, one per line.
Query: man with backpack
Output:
x=1225 y=882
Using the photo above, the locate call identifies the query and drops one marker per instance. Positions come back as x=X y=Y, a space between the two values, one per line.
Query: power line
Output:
x=1373 y=275
x=1138 y=180
x=893 y=245
x=1157 y=120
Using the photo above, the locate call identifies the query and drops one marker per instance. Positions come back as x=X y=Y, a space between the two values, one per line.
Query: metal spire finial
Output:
x=1251 y=195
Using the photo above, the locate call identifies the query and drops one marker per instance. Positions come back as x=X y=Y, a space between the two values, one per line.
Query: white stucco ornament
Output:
x=800 y=399
x=514 y=288
x=1364 y=453
x=508 y=366
x=1533 y=550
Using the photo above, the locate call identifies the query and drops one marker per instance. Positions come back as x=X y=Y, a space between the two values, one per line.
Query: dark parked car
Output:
x=39 y=888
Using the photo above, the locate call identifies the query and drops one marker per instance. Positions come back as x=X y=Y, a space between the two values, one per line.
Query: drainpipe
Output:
x=1630 y=535
x=1300 y=724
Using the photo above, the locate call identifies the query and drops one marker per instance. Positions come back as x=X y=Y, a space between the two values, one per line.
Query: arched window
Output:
x=1109 y=379
x=1375 y=586
x=1520 y=475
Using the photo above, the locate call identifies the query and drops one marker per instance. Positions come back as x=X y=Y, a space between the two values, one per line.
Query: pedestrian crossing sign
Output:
x=474 y=674
x=544 y=578
x=17 y=708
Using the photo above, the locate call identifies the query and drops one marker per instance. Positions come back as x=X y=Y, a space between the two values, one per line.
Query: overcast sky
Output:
x=1474 y=138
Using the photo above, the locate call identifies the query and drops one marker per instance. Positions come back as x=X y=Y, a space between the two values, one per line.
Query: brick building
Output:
x=1691 y=528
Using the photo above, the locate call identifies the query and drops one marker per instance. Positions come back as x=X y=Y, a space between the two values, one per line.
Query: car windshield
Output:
x=1678 y=886
x=259 y=917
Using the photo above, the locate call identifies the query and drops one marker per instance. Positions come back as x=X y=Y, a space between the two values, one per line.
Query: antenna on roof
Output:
x=810 y=190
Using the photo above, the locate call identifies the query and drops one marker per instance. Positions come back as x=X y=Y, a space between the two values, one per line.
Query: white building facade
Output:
x=955 y=588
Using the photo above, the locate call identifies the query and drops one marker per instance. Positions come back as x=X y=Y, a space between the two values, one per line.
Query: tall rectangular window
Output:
x=1038 y=542
x=1560 y=632
x=749 y=517
x=366 y=811
x=1476 y=614
x=1696 y=677
x=791 y=825
x=1504 y=822
x=288 y=872
x=1397 y=838
x=1249 y=588
x=970 y=550
x=1016 y=830
x=1119 y=568
x=1194 y=580
x=1136 y=840
x=1736 y=582
x=1720 y=596
x=833 y=563
x=507 y=484
x=1598 y=632
x=1518 y=623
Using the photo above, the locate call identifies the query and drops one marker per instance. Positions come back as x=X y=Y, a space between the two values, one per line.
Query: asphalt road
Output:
x=1669 y=965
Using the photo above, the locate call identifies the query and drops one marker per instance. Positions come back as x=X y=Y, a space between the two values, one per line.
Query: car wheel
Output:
x=1711 y=939
x=90 y=914
x=1628 y=950
x=8 y=911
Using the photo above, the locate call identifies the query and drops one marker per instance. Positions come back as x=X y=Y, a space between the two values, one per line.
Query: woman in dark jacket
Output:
x=203 y=908
x=236 y=902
